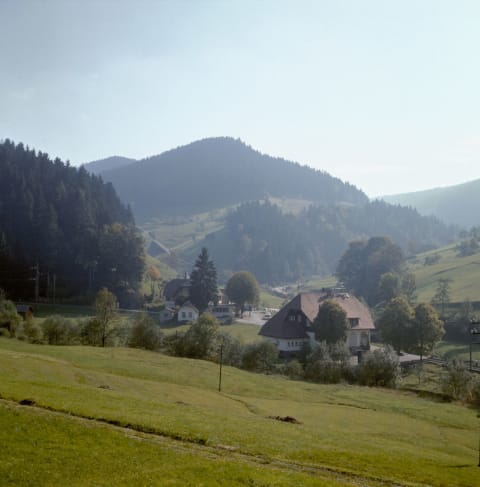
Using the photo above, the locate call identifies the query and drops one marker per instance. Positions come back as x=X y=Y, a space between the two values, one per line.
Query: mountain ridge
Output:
x=459 y=204
x=217 y=172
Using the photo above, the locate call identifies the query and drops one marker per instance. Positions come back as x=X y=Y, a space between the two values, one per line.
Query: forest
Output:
x=280 y=247
x=63 y=232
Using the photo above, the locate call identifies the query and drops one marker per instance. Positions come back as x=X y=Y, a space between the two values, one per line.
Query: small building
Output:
x=222 y=312
x=25 y=311
x=166 y=314
x=187 y=312
x=292 y=327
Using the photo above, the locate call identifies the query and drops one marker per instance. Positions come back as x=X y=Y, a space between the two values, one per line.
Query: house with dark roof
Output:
x=291 y=328
x=176 y=290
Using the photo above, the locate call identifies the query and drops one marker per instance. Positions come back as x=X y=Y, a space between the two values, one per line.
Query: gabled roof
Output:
x=189 y=305
x=279 y=326
x=172 y=287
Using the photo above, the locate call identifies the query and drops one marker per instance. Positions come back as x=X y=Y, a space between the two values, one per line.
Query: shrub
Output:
x=232 y=350
x=145 y=333
x=324 y=371
x=456 y=380
x=32 y=331
x=379 y=368
x=57 y=330
x=293 y=369
x=260 y=357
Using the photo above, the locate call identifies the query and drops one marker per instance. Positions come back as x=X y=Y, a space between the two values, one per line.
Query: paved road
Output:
x=254 y=317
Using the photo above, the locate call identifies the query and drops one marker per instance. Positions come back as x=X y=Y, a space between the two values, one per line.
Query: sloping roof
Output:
x=279 y=326
x=24 y=308
x=189 y=305
x=172 y=287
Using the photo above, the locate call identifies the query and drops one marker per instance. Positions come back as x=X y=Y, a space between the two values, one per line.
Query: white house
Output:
x=187 y=312
x=291 y=327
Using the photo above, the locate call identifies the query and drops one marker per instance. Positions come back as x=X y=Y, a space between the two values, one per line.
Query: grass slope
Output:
x=464 y=273
x=349 y=435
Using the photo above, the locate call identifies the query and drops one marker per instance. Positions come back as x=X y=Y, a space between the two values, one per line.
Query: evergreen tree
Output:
x=203 y=281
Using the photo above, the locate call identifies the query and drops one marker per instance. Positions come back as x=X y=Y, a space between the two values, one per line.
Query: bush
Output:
x=379 y=368
x=57 y=330
x=324 y=371
x=456 y=380
x=328 y=364
x=232 y=350
x=145 y=333
x=260 y=357
x=200 y=341
x=8 y=315
x=293 y=369
x=32 y=331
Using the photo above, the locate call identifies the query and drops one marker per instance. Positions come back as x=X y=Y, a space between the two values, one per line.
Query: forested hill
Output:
x=217 y=172
x=458 y=204
x=279 y=247
x=69 y=223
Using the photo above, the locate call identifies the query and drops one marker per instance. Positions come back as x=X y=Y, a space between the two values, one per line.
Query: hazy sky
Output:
x=383 y=94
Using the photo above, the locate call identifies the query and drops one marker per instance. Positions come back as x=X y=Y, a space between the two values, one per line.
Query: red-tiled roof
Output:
x=279 y=326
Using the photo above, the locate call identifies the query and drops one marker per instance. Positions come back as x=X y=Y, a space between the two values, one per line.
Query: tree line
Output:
x=63 y=231
x=280 y=247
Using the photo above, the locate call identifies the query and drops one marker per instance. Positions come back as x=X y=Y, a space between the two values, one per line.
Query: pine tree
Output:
x=203 y=281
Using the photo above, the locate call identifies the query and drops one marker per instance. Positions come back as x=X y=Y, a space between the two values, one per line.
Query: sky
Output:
x=382 y=94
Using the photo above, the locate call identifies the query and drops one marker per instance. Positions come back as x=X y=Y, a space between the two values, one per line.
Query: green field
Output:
x=464 y=273
x=127 y=417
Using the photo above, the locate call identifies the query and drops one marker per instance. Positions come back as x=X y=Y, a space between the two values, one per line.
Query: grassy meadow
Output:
x=120 y=416
x=464 y=273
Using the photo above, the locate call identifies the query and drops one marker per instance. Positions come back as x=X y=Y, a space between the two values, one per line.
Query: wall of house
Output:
x=354 y=339
x=187 y=314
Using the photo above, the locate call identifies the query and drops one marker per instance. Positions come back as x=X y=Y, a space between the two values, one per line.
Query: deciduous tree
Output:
x=331 y=323
x=396 y=324
x=427 y=330
x=243 y=288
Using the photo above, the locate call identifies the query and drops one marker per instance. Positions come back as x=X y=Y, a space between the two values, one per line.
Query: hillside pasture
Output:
x=345 y=435
x=464 y=273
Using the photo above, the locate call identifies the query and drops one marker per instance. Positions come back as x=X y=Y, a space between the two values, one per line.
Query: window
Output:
x=299 y=318
x=184 y=315
x=291 y=317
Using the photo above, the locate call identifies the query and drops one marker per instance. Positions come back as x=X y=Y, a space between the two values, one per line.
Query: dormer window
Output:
x=353 y=322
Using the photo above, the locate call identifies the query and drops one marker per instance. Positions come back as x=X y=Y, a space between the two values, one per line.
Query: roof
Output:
x=172 y=287
x=23 y=308
x=188 y=304
x=279 y=326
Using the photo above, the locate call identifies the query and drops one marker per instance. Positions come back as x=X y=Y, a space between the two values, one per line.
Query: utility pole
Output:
x=474 y=330
x=54 y=287
x=37 y=282
x=220 y=369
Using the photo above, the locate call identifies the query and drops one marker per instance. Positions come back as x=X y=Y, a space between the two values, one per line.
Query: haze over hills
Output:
x=459 y=204
x=217 y=172
x=107 y=164
x=173 y=188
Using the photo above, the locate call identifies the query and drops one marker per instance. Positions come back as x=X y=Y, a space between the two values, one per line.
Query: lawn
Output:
x=345 y=434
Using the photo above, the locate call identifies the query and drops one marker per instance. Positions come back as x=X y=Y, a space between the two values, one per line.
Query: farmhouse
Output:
x=176 y=290
x=187 y=312
x=291 y=328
